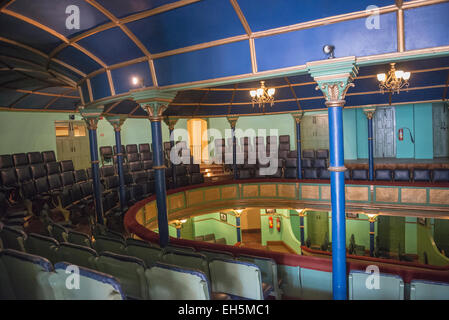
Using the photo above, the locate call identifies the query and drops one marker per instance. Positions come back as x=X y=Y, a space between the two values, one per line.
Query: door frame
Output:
x=378 y=109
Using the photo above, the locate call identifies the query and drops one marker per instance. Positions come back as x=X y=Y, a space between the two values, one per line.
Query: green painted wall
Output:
x=350 y=133
x=411 y=240
x=391 y=232
x=427 y=247
x=362 y=134
x=441 y=234
x=210 y=223
x=286 y=233
x=405 y=119
x=423 y=131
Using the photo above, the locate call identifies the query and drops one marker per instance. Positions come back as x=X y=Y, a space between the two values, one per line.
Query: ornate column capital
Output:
x=334 y=77
x=170 y=122
x=232 y=121
x=298 y=116
x=369 y=112
x=116 y=121
x=91 y=116
x=153 y=101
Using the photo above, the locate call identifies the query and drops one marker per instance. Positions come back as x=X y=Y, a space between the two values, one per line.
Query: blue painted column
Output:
x=298 y=117
x=91 y=117
x=334 y=78
x=117 y=122
x=369 y=115
x=301 y=227
x=233 y=122
x=178 y=231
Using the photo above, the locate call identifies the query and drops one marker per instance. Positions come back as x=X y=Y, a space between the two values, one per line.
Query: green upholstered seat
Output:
x=190 y=260
x=93 y=285
x=213 y=254
x=178 y=247
x=137 y=242
x=428 y=290
x=269 y=270
x=236 y=278
x=79 y=238
x=149 y=254
x=13 y=238
x=78 y=255
x=42 y=246
x=24 y=276
x=59 y=232
x=391 y=287
x=102 y=244
x=130 y=271
x=168 y=282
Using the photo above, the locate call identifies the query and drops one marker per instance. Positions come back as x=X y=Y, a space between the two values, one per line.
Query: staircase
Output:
x=214 y=172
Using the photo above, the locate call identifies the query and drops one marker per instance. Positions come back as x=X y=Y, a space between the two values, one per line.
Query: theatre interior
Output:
x=224 y=150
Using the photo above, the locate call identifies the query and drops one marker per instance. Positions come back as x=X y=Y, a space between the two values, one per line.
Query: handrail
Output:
x=407 y=272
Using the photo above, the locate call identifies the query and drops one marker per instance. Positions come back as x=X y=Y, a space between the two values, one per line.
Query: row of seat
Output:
x=128 y=260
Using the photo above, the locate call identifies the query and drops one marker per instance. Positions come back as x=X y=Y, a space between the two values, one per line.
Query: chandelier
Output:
x=263 y=95
x=393 y=81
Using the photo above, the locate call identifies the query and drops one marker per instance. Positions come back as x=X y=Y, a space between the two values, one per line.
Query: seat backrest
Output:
x=421 y=175
x=6 y=161
x=268 y=268
x=79 y=255
x=23 y=174
x=131 y=148
x=38 y=171
x=149 y=254
x=58 y=232
x=13 y=238
x=20 y=159
x=284 y=139
x=216 y=254
x=440 y=175
x=102 y=244
x=359 y=174
x=187 y=260
x=48 y=156
x=67 y=178
x=179 y=247
x=383 y=174
x=106 y=151
x=308 y=153
x=236 y=278
x=24 y=276
x=93 y=285
x=79 y=238
x=80 y=175
x=429 y=290
x=168 y=282
x=391 y=287
x=322 y=153
x=132 y=157
x=107 y=171
x=144 y=147
x=401 y=175
x=66 y=165
x=54 y=181
x=8 y=177
x=42 y=246
x=130 y=271
x=34 y=157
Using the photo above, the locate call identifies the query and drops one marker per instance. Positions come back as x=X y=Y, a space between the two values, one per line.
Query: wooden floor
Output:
x=253 y=239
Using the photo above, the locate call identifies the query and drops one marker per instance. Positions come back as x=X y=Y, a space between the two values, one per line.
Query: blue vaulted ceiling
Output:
x=44 y=65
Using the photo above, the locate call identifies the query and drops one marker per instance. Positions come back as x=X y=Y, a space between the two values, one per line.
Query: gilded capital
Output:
x=116 y=121
x=298 y=116
x=233 y=121
x=369 y=112
x=170 y=122
x=155 y=109
x=91 y=116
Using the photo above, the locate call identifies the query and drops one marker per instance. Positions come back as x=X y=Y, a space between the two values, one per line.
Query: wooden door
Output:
x=440 y=115
x=72 y=143
x=317 y=226
x=384 y=133
x=197 y=129
x=315 y=132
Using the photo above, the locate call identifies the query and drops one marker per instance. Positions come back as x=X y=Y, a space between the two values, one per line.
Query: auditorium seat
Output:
x=48 y=156
x=216 y=254
x=196 y=177
x=319 y=163
x=78 y=255
x=306 y=163
x=429 y=290
x=79 y=238
x=131 y=148
x=440 y=175
x=308 y=154
x=175 y=247
x=102 y=244
x=324 y=174
x=58 y=232
x=269 y=270
x=129 y=271
x=322 y=154
x=290 y=171
x=359 y=174
x=20 y=159
x=190 y=260
x=401 y=175
x=6 y=161
x=383 y=174
x=13 y=238
x=421 y=175
x=52 y=168
x=310 y=173
x=182 y=179
x=106 y=154
x=24 y=276
x=168 y=282
x=391 y=287
x=238 y=279
x=34 y=157
x=66 y=165
x=148 y=253
x=93 y=285
x=42 y=246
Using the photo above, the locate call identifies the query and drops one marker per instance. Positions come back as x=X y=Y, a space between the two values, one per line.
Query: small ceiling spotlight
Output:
x=328 y=50
x=137 y=81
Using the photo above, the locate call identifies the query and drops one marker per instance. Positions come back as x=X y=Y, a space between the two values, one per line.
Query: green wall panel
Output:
x=362 y=134
x=350 y=133
x=423 y=131
x=405 y=119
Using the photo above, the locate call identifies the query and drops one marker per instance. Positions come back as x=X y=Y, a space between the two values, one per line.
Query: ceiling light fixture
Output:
x=263 y=95
x=394 y=80
x=137 y=81
x=328 y=50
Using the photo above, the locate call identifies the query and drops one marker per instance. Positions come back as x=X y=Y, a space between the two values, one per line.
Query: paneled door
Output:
x=440 y=114
x=384 y=133
x=315 y=132
x=72 y=143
